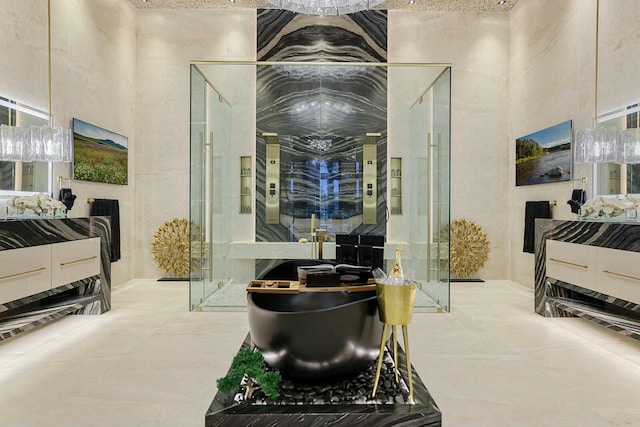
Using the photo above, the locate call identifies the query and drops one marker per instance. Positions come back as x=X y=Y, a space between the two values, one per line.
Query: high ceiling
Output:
x=425 y=5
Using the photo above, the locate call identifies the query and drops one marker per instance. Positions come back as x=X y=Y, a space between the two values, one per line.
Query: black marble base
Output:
x=345 y=402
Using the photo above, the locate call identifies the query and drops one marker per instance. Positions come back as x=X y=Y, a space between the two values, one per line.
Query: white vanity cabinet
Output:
x=74 y=260
x=53 y=267
x=619 y=274
x=24 y=272
x=589 y=269
x=572 y=263
x=611 y=272
x=28 y=271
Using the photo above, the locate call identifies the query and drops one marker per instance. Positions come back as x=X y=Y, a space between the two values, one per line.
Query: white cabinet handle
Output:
x=64 y=264
x=613 y=273
x=569 y=263
x=24 y=273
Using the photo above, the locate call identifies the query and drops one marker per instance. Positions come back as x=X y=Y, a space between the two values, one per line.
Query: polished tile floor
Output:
x=150 y=362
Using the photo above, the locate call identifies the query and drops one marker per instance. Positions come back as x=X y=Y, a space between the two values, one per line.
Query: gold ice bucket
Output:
x=395 y=303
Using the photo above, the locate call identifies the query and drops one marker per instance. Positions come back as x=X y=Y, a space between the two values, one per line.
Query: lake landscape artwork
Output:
x=99 y=155
x=544 y=156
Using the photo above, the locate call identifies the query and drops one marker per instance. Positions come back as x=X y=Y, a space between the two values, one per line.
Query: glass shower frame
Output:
x=222 y=265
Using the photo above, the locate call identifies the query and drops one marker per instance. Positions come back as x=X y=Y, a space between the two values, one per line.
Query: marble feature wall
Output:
x=87 y=296
x=321 y=114
x=555 y=298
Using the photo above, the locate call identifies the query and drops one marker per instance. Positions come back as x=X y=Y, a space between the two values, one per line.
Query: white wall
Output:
x=477 y=46
x=552 y=73
x=167 y=41
x=552 y=80
x=23 y=47
x=93 y=70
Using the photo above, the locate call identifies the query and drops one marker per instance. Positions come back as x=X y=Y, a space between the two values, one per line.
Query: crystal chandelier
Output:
x=35 y=144
x=325 y=7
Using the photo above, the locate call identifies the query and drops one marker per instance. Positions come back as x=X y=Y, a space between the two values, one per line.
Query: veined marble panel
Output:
x=555 y=298
x=287 y=36
x=321 y=114
x=87 y=296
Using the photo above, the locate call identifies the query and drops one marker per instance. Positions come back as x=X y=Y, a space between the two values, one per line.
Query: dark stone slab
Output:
x=309 y=405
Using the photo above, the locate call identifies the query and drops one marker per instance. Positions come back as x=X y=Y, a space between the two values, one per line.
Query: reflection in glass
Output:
x=322 y=125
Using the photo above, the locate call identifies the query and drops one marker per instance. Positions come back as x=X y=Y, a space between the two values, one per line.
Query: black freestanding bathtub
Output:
x=316 y=335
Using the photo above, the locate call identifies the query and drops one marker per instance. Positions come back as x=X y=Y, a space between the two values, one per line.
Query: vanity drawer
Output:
x=75 y=260
x=619 y=274
x=24 y=272
x=572 y=263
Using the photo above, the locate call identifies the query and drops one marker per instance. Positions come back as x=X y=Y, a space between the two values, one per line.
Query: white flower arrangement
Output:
x=608 y=207
x=40 y=205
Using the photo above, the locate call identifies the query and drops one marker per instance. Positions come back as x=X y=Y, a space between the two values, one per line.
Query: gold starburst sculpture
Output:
x=170 y=247
x=468 y=245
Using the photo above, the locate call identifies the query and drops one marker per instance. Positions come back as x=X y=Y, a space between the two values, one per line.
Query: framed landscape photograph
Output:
x=544 y=156
x=99 y=155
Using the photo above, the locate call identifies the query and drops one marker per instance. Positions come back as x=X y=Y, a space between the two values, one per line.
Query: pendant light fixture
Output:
x=605 y=145
x=325 y=7
x=596 y=144
x=37 y=143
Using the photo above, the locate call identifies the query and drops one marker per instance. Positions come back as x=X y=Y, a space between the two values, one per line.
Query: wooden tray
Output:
x=293 y=287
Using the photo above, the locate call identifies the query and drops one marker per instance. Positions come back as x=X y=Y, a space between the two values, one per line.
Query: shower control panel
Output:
x=369 y=177
x=272 y=190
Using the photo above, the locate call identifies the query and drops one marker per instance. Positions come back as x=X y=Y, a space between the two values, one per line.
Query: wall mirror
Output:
x=23 y=177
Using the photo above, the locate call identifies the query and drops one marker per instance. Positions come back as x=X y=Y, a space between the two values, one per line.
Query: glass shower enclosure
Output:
x=353 y=148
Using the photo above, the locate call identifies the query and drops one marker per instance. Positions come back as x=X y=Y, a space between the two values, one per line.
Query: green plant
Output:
x=249 y=363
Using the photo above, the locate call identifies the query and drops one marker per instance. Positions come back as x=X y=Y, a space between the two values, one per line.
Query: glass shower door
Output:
x=210 y=204
x=431 y=141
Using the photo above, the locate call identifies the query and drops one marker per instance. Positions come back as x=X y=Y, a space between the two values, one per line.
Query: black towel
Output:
x=533 y=210
x=106 y=207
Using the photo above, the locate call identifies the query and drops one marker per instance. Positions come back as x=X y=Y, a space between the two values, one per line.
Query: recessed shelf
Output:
x=246 y=182
x=395 y=185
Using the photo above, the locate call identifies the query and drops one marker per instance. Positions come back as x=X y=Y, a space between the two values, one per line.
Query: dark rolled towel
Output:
x=578 y=198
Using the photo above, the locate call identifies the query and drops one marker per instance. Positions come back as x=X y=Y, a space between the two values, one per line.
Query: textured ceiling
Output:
x=426 y=5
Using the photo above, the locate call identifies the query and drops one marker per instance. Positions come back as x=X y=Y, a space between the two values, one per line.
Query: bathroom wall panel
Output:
x=322 y=114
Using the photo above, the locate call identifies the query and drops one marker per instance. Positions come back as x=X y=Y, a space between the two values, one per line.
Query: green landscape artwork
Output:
x=544 y=156
x=99 y=155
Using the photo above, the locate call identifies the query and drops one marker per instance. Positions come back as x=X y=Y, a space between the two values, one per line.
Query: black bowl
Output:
x=316 y=335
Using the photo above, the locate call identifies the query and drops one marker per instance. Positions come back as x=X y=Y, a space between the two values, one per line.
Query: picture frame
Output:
x=545 y=156
x=99 y=155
